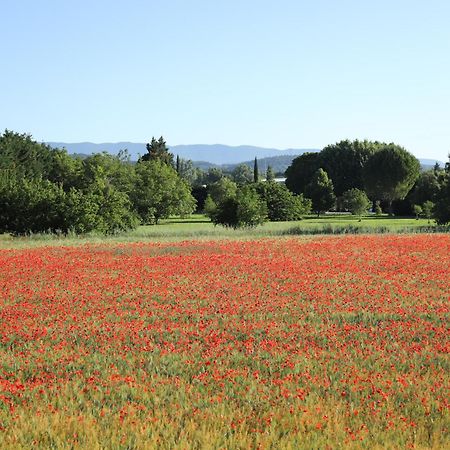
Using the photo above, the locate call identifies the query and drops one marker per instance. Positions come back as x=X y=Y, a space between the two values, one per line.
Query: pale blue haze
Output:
x=278 y=74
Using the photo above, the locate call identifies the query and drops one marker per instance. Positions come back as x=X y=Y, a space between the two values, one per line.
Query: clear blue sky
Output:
x=269 y=73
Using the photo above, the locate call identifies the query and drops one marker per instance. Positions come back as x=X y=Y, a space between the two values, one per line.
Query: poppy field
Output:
x=323 y=342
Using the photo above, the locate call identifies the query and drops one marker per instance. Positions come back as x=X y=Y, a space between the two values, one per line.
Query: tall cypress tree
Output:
x=255 y=171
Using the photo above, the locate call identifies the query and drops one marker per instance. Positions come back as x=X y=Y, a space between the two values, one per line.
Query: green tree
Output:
x=113 y=209
x=301 y=172
x=21 y=155
x=64 y=169
x=30 y=205
x=222 y=189
x=159 y=192
x=255 y=171
x=426 y=187
x=210 y=207
x=116 y=171
x=377 y=209
x=344 y=163
x=242 y=174
x=417 y=209
x=246 y=209
x=441 y=211
x=270 y=175
x=356 y=201
x=187 y=171
x=158 y=150
x=320 y=191
x=212 y=175
x=390 y=173
x=427 y=209
x=282 y=204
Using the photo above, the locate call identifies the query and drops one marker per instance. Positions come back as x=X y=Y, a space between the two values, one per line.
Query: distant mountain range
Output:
x=216 y=154
x=205 y=156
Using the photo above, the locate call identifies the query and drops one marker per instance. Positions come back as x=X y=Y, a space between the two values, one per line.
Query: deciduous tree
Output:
x=356 y=201
x=390 y=173
x=320 y=191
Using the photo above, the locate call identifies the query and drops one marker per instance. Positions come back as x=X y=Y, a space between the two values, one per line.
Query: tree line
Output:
x=43 y=189
x=46 y=190
x=360 y=175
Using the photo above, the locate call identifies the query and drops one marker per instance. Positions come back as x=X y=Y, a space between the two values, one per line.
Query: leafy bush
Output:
x=356 y=201
x=282 y=204
x=246 y=209
x=159 y=192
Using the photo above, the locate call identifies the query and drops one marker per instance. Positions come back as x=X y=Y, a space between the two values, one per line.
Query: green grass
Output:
x=199 y=227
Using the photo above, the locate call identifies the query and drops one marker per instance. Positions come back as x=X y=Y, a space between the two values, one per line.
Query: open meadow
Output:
x=200 y=227
x=293 y=342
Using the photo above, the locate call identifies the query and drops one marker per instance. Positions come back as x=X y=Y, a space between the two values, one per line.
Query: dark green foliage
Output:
x=426 y=187
x=112 y=210
x=199 y=193
x=159 y=192
x=417 y=209
x=46 y=190
x=356 y=201
x=400 y=207
x=64 y=169
x=242 y=174
x=222 y=189
x=255 y=171
x=188 y=172
x=36 y=205
x=344 y=163
x=210 y=207
x=441 y=212
x=282 y=204
x=114 y=170
x=20 y=155
x=320 y=191
x=377 y=209
x=158 y=150
x=211 y=176
x=246 y=209
x=30 y=205
x=270 y=174
x=300 y=173
x=390 y=173
x=427 y=209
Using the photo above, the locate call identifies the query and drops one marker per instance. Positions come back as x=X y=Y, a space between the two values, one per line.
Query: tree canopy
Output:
x=344 y=163
x=320 y=191
x=282 y=204
x=245 y=209
x=442 y=206
x=159 y=192
x=44 y=189
x=157 y=149
x=300 y=173
x=390 y=173
x=356 y=201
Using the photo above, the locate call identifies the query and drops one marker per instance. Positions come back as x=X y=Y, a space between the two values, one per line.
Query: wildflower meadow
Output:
x=312 y=342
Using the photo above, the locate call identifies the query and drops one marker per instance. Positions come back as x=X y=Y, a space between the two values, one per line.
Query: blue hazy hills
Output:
x=202 y=155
